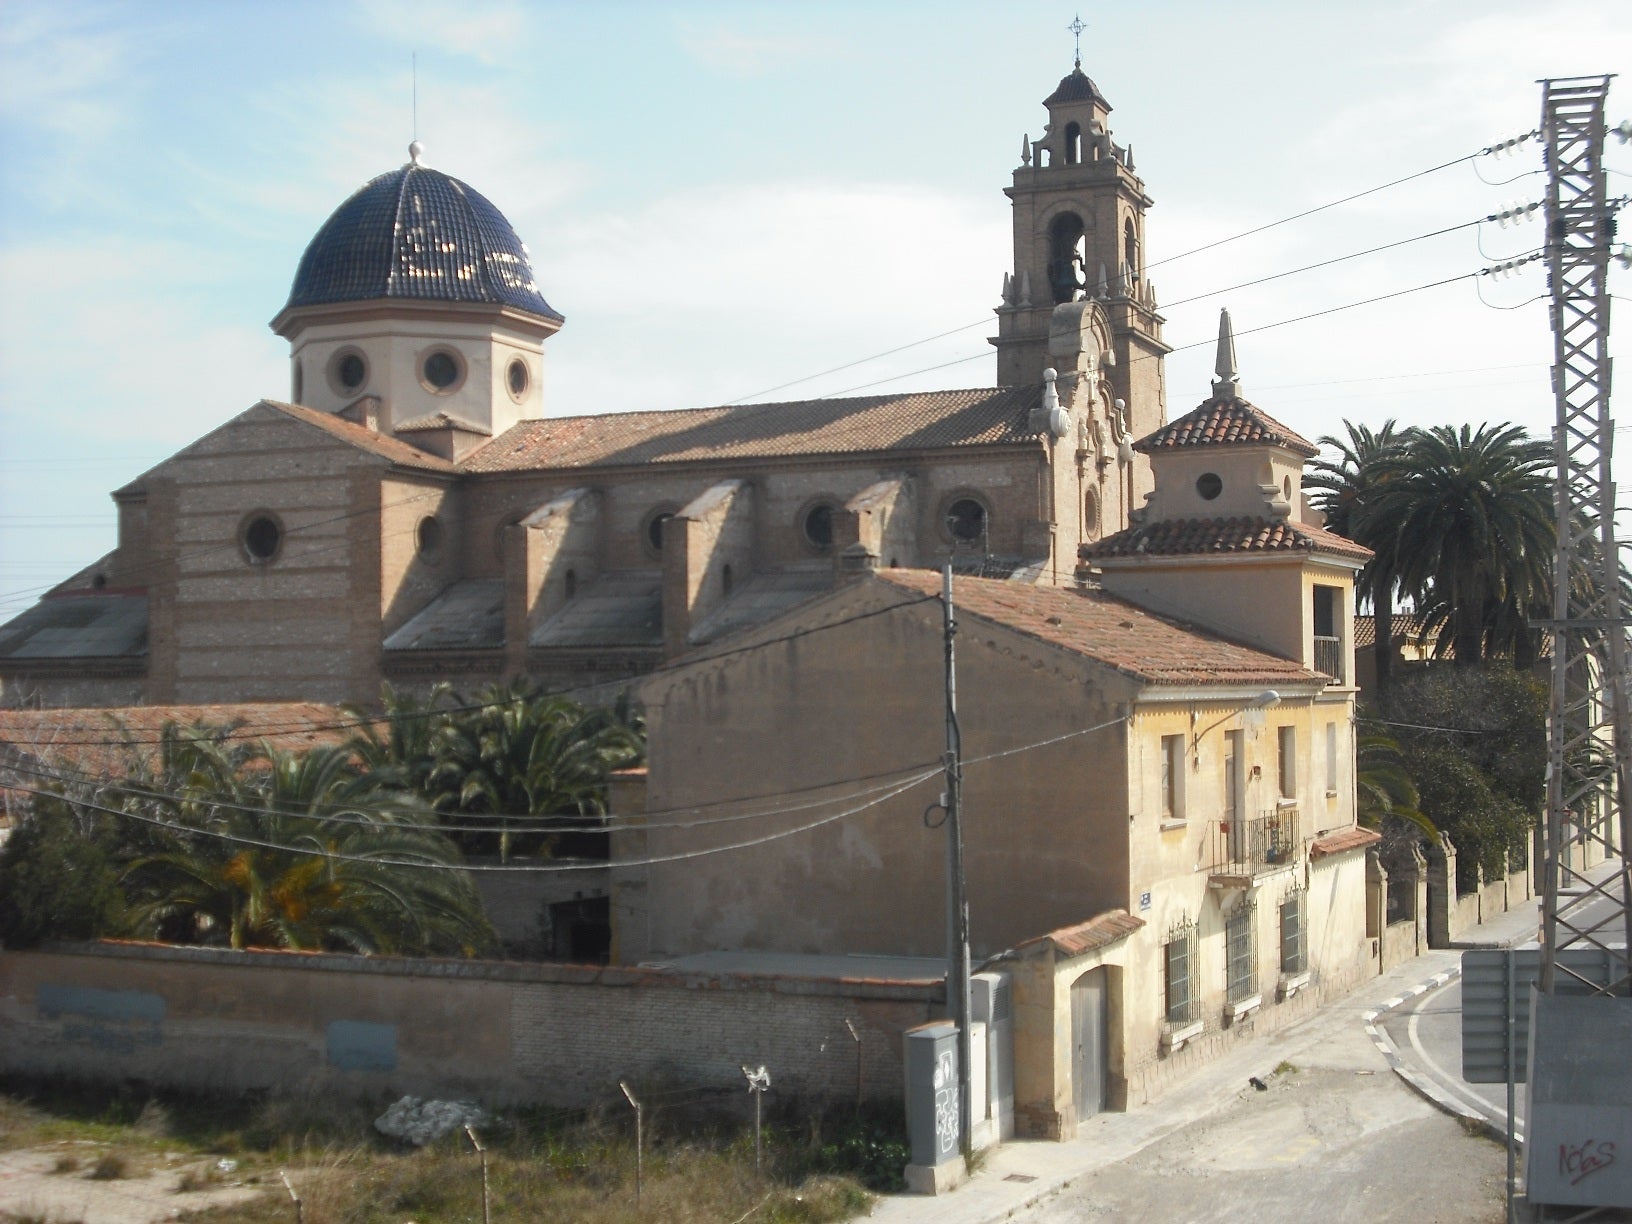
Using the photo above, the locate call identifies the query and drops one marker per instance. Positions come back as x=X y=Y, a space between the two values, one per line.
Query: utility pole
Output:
x=957 y=898
x=1586 y=795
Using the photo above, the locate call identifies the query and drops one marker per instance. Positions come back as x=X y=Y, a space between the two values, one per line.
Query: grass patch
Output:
x=1285 y=1068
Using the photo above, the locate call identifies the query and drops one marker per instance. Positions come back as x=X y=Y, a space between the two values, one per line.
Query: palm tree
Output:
x=261 y=847
x=524 y=753
x=1470 y=514
x=1345 y=492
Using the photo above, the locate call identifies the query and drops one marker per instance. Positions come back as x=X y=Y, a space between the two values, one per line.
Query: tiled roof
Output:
x=923 y=421
x=1196 y=537
x=467 y=615
x=1111 y=631
x=1340 y=840
x=81 y=625
x=1098 y=932
x=621 y=608
x=1076 y=87
x=417 y=233
x=93 y=741
x=360 y=436
x=1231 y=422
x=1404 y=625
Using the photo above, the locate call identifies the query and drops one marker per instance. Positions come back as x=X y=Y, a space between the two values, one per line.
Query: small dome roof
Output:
x=417 y=233
x=1076 y=87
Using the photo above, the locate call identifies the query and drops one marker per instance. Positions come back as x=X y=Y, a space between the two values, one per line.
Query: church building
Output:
x=414 y=511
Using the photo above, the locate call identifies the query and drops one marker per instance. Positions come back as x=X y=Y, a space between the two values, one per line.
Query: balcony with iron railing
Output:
x=1329 y=657
x=1244 y=850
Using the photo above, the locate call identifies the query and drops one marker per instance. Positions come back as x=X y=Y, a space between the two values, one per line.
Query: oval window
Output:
x=966 y=520
x=441 y=370
x=1209 y=485
x=517 y=378
x=654 y=530
x=818 y=525
x=261 y=538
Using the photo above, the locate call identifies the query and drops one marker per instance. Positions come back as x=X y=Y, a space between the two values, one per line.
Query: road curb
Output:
x=1424 y=1087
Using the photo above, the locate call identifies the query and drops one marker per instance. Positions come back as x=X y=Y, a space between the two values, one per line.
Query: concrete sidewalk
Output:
x=1024 y=1172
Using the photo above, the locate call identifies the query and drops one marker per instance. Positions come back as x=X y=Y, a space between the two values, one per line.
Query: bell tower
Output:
x=1079 y=233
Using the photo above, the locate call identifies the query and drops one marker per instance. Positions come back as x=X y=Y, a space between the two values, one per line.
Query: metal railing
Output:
x=1244 y=847
x=1329 y=657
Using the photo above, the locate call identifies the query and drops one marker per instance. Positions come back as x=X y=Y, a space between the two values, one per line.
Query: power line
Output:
x=1309 y=212
x=383 y=861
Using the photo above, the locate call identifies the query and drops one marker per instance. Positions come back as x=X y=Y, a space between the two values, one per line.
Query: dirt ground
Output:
x=31 y=1186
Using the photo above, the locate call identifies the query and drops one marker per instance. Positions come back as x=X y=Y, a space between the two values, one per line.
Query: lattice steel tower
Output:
x=1588 y=748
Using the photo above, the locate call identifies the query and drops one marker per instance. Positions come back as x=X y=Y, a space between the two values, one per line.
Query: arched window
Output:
x=1066 y=257
x=1073 y=143
x=1130 y=249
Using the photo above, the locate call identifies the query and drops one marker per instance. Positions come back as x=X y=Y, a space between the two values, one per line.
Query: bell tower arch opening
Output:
x=1067 y=253
x=1073 y=143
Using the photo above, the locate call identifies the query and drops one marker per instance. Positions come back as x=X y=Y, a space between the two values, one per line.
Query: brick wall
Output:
x=499 y=1032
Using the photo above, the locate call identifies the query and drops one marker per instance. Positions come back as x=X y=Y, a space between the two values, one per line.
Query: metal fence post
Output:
x=639 y=1137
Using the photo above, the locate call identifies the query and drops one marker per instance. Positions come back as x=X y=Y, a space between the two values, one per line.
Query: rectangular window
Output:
x=1240 y=952
x=1294 y=945
x=1331 y=758
x=1234 y=774
x=1328 y=634
x=1287 y=750
x=1180 y=962
x=1172 y=777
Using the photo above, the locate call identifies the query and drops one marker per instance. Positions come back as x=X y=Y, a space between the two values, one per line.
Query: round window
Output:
x=966 y=520
x=260 y=537
x=348 y=372
x=654 y=529
x=818 y=525
x=1209 y=485
x=441 y=370
x=1090 y=512
x=517 y=377
x=428 y=536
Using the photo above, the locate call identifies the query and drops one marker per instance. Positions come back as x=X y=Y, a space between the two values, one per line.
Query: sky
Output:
x=723 y=198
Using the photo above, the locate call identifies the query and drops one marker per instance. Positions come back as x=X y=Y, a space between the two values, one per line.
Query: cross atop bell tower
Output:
x=1079 y=232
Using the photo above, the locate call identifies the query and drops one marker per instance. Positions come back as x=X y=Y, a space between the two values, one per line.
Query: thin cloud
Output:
x=741 y=54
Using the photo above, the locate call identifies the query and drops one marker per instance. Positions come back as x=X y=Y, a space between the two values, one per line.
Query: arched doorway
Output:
x=1090 y=1043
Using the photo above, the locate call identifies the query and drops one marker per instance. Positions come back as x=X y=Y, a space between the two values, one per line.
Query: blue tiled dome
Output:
x=417 y=233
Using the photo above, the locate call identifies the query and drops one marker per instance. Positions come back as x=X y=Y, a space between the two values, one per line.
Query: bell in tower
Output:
x=1079 y=226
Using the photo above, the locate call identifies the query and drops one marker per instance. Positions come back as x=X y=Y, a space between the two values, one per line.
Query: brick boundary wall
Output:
x=499 y=1032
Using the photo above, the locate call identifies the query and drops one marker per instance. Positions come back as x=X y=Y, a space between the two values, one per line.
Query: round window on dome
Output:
x=348 y=372
x=442 y=371
x=518 y=378
x=1209 y=485
x=260 y=536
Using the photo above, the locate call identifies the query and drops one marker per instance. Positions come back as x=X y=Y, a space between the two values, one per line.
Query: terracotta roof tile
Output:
x=922 y=421
x=1112 y=632
x=1336 y=842
x=93 y=741
x=1098 y=932
x=1190 y=537
x=1231 y=422
x=383 y=445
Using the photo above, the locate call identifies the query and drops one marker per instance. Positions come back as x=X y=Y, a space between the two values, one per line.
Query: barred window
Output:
x=1294 y=936
x=1180 y=960
x=1241 y=952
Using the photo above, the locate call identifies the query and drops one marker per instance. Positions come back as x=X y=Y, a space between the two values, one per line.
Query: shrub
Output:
x=58 y=878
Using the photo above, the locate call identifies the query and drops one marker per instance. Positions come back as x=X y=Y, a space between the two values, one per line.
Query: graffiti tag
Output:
x=946 y=1103
x=1581 y=1160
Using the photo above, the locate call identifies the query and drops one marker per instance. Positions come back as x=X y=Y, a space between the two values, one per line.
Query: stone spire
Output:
x=1227 y=385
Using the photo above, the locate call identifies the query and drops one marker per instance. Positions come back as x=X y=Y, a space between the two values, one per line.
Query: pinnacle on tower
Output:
x=1227 y=385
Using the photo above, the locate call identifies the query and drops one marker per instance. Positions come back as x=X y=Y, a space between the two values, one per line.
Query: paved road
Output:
x=1427 y=1033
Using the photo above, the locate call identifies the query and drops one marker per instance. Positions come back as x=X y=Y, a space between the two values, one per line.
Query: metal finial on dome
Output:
x=1228 y=383
x=416 y=150
x=1077 y=27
